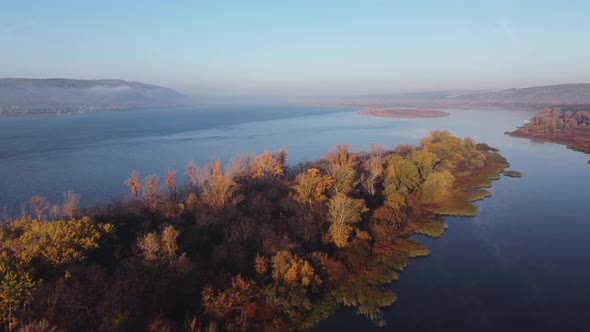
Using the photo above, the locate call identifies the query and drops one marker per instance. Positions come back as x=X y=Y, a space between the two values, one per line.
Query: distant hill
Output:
x=552 y=94
x=538 y=95
x=23 y=96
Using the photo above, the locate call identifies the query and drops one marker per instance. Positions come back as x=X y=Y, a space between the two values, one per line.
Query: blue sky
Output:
x=300 y=48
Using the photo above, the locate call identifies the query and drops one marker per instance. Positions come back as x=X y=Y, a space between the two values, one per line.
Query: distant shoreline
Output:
x=404 y=113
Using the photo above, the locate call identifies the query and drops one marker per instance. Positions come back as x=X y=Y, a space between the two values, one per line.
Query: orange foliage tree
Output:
x=133 y=183
x=169 y=181
x=268 y=165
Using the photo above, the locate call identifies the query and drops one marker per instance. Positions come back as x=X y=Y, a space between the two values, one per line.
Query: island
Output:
x=566 y=124
x=513 y=174
x=255 y=245
x=404 y=113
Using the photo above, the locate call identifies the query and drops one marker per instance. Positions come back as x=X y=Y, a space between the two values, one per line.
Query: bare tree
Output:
x=5 y=215
x=152 y=194
x=55 y=212
x=192 y=173
x=39 y=205
x=373 y=169
x=71 y=201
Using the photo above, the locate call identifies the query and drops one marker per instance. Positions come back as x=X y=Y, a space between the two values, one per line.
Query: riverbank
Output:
x=578 y=140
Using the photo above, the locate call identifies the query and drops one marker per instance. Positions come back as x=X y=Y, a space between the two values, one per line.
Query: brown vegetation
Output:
x=568 y=125
x=256 y=245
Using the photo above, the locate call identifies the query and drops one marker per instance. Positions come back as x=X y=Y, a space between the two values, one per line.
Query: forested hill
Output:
x=555 y=94
x=578 y=93
x=23 y=96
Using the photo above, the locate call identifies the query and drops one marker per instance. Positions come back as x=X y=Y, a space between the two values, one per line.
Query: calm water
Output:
x=521 y=264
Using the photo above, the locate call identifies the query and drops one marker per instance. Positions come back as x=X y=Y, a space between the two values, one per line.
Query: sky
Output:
x=300 y=48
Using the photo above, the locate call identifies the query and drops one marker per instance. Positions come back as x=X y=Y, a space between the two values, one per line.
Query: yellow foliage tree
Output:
x=293 y=270
x=59 y=242
x=341 y=169
x=343 y=213
x=15 y=291
x=268 y=165
x=160 y=248
x=425 y=160
x=311 y=186
x=401 y=175
x=218 y=188
x=437 y=188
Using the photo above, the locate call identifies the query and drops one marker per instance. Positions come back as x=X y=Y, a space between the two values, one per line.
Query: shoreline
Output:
x=570 y=143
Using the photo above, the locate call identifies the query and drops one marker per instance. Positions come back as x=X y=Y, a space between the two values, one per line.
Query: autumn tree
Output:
x=260 y=265
x=401 y=176
x=70 y=206
x=134 y=183
x=341 y=169
x=294 y=281
x=151 y=192
x=344 y=212
x=60 y=242
x=452 y=151
x=235 y=305
x=169 y=181
x=396 y=201
x=291 y=269
x=39 y=205
x=160 y=248
x=218 y=188
x=425 y=161
x=15 y=291
x=268 y=165
x=437 y=188
x=310 y=186
x=372 y=173
x=192 y=174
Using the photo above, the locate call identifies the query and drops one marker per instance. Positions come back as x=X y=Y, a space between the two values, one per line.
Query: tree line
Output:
x=558 y=120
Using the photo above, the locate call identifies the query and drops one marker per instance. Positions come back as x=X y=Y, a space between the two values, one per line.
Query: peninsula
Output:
x=566 y=124
x=254 y=246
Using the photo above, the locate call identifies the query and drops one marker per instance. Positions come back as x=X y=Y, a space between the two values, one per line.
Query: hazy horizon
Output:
x=300 y=50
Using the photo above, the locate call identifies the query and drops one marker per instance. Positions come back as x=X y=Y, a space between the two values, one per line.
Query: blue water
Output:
x=521 y=264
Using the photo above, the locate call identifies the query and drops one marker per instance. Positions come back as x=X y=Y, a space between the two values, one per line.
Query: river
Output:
x=521 y=264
